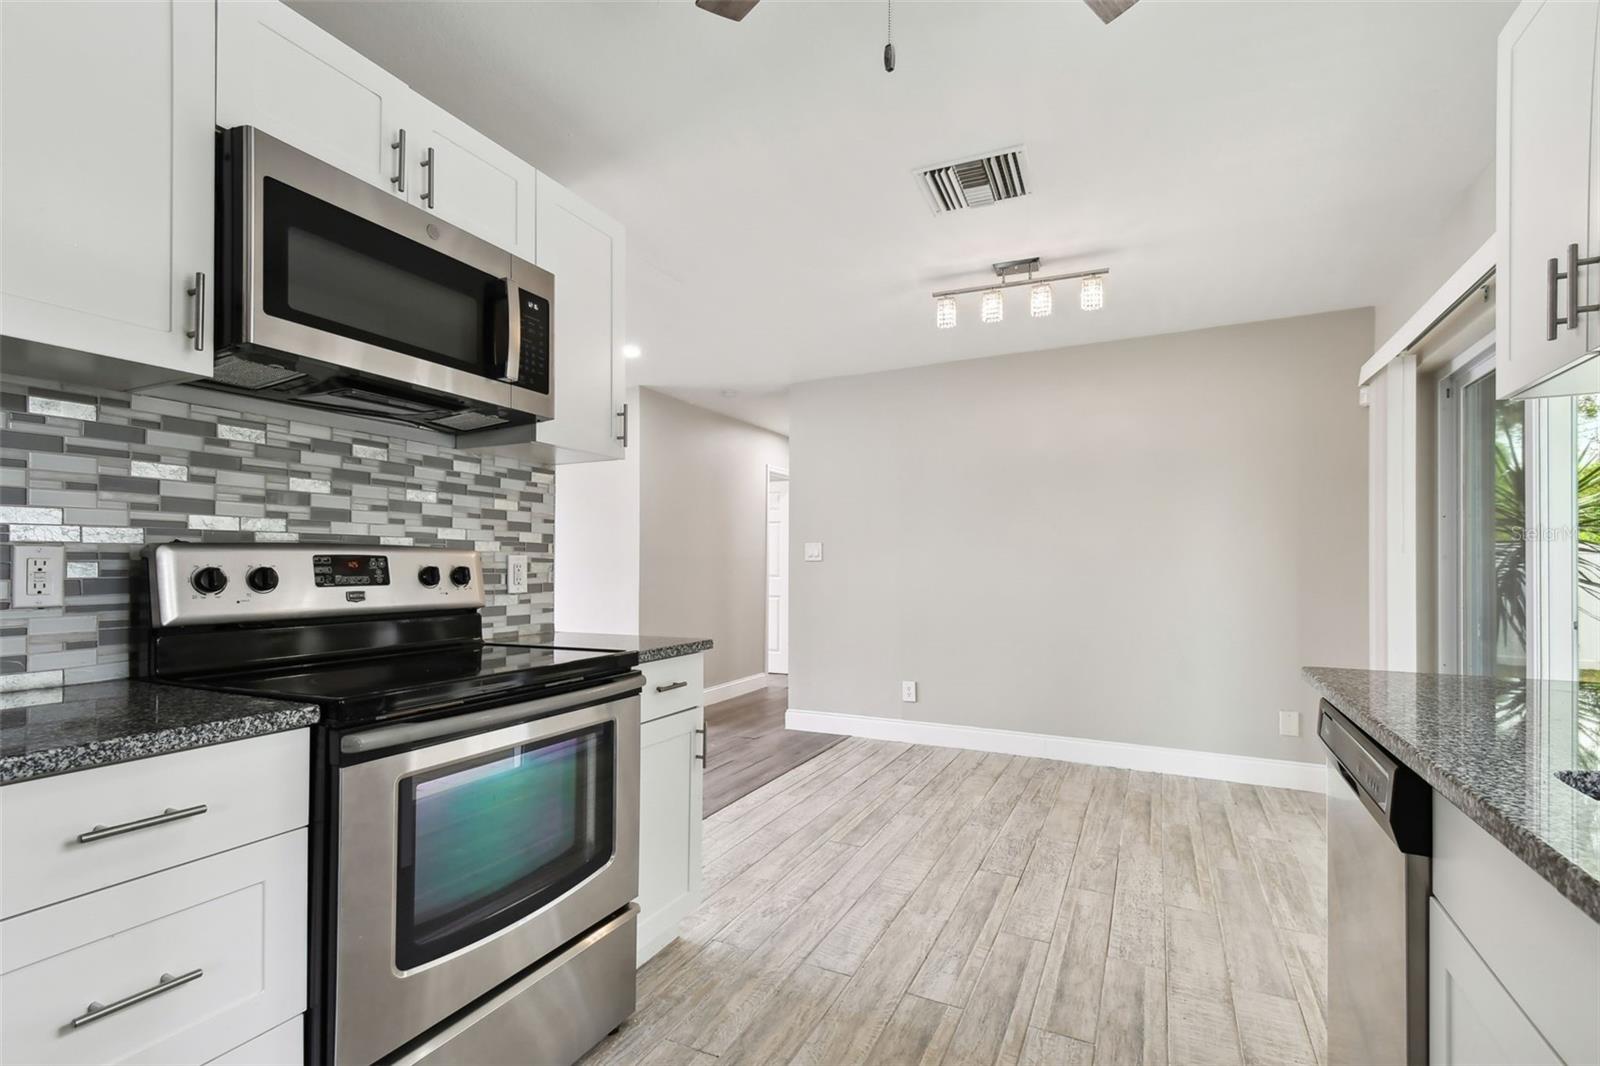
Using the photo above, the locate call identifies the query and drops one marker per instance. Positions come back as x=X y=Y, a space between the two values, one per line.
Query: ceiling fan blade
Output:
x=1109 y=9
x=728 y=9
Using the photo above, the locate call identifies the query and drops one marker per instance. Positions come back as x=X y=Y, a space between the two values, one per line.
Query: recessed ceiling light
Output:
x=631 y=351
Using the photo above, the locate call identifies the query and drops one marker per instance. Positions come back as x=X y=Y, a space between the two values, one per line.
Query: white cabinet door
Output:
x=670 y=779
x=231 y=926
x=585 y=251
x=288 y=77
x=1546 y=87
x=469 y=181
x=106 y=177
x=1472 y=1019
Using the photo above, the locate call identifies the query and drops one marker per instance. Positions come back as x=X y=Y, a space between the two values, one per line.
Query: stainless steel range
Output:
x=475 y=804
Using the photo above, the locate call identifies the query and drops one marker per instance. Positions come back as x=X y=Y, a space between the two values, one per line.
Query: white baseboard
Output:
x=1245 y=769
x=737 y=687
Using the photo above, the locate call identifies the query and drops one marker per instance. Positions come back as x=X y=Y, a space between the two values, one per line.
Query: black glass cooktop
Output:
x=365 y=688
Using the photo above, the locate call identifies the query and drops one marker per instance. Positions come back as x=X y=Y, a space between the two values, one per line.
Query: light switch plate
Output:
x=516 y=574
x=37 y=571
x=813 y=551
x=1289 y=723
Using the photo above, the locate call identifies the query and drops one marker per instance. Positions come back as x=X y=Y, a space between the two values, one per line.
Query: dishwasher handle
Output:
x=1398 y=799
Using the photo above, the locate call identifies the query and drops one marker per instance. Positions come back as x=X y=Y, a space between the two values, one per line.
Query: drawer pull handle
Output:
x=171 y=814
x=98 y=1010
x=672 y=687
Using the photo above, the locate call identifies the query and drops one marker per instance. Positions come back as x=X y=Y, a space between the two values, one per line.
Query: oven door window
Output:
x=332 y=270
x=487 y=841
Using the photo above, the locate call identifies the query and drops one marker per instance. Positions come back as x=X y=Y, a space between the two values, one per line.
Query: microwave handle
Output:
x=511 y=357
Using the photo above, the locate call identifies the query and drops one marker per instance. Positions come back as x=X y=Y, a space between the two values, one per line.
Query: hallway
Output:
x=747 y=744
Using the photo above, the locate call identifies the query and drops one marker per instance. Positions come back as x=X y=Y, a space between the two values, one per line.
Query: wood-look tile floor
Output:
x=891 y=903
x=747 y=744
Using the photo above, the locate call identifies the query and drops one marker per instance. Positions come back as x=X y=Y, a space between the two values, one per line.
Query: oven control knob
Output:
x=461 y=576
x=209 y=580
x=262 y=579
x=429 y=576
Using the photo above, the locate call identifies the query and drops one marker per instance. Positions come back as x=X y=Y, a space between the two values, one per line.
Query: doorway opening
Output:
x=777 y=571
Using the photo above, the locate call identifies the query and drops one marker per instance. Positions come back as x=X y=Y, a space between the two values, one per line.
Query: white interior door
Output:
x=777 y=572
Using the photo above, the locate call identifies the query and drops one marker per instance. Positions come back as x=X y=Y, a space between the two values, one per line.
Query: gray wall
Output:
x=703 y=531
x=1137 y=541
x=1461 y=230
x=105 y=472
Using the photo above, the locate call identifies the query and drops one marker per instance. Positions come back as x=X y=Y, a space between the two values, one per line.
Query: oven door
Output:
x=334 y=273
x=464 y=862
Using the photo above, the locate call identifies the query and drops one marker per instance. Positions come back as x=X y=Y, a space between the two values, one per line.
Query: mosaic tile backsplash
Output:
x=105 y=473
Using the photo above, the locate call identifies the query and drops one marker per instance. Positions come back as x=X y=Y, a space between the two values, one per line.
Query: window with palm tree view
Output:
x=1494 y=546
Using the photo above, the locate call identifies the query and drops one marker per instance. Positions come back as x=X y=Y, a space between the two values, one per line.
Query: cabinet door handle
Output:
x=98 y=1010
x=399 y=179
x=672 y=687
x=171 y=814
x=433 y=177
x=701 y=755
x=623 y=436
x=1573 y=276
x=198 y=291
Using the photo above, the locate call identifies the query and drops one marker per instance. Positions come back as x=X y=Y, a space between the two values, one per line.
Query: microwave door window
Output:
x=485 y=842
x=332 y=282
x=330 y=269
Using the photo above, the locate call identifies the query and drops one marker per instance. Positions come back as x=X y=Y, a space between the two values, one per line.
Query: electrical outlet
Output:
x=908 y=692
x=516 y=574
x=1289 y=723
x=36 y=574
x=813 y=551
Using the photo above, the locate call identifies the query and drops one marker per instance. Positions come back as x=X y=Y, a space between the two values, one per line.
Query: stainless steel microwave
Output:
x=332 y=293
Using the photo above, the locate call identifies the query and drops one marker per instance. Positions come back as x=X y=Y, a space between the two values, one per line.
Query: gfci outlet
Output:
x=1289 y=723
x=516 y=573
x=36 y=575
x=908 y=692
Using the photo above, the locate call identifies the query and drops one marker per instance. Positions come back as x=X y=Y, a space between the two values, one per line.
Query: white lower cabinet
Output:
x=671 y=772
x=1514 y=966
x=1472 y=1019
x=284 y=1045
x=175 y=967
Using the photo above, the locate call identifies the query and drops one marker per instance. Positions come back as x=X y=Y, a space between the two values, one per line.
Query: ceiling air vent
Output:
x=976 y=182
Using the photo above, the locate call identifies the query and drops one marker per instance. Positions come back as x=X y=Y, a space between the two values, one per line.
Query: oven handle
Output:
x=394 y=736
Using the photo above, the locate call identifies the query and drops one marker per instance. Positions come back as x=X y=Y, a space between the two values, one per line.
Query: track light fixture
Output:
x=1041 y=295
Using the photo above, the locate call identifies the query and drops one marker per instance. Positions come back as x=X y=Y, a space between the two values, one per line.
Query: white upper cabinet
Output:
x=1545 y=173
x=106 y=175
x=281 y=73
x=585 y=251
x=468 y=180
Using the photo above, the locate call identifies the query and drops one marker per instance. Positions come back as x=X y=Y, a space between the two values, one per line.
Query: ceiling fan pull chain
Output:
x=888 y=48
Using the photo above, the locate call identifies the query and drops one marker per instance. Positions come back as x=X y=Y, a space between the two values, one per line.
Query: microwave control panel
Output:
x=533 y=366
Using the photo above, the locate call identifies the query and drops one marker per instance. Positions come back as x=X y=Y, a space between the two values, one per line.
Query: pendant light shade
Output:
x=993 y=308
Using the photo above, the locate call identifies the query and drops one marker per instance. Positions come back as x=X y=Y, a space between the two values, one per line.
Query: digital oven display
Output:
x=331 y=570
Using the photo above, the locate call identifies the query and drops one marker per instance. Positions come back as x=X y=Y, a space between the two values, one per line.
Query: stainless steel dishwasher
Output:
x=1380 y=837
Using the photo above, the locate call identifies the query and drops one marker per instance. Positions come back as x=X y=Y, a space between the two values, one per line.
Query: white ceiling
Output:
x=1227 y=161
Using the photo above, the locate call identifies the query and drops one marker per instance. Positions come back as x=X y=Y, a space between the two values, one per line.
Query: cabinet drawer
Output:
x=250 y=789
x=236 y=921
x=671 y=685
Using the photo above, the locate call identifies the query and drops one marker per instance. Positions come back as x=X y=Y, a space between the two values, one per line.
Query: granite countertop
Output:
x=650 y=649
x=78 y=727
x=1493 y=747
